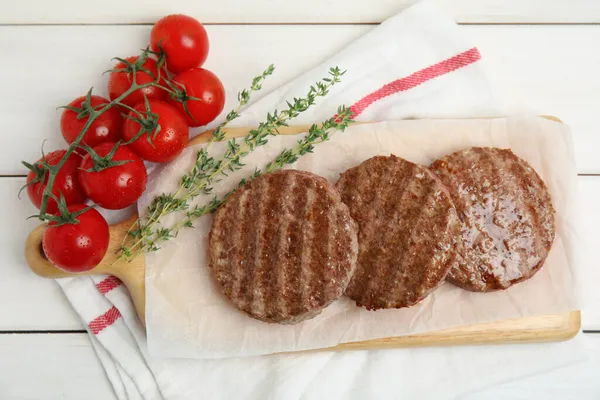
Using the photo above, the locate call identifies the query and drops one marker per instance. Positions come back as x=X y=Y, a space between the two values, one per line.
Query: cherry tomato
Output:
x=204 y=85
x=106 y=128
x=168 y=143
x=65 y=182
x=77 y=247
x=117 y=186
x=183 y=39
x=120 y=82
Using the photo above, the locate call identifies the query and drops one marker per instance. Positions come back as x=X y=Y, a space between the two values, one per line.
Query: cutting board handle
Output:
x=131 y=273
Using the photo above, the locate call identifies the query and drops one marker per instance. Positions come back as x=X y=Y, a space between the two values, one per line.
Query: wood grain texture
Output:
x=532 y=329
x=589 y=191
x=66 y=367
x=27 y=302
x=41 y=366
x=578 y=381
x=308 y=11
x=518 y=61
x=547 y=328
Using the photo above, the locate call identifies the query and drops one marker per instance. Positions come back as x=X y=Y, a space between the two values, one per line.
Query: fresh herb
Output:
x=149 y=239
x=207 y=168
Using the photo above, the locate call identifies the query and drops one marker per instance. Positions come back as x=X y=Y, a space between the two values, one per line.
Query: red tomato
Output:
x=168 y=143
x=117 y=186
x=183 y=39
x=77 y=247
x=203 y=85
x=106 y=128
x=65 y=182
x=120 y=82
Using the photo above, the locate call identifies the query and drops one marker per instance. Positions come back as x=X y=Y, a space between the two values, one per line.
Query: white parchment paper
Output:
x=188 y=316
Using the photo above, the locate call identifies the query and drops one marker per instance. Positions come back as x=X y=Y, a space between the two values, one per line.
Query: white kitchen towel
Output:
x=416 y=64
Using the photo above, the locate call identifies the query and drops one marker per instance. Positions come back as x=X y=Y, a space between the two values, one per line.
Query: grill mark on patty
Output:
x=251 y=242
x=267 y=233
x=367 y=250
x=301 y=276
x=277 y=306
x=320 y=219
x=388 y=290
x=334 y=258
x=239 y=212
x=293 y=253
x=388 y=245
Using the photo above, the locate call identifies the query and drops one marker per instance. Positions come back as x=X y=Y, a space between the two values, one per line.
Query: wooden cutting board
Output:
x=546 y=328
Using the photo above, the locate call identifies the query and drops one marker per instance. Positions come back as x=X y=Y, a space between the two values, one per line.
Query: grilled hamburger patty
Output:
x=407 y=225
x=507 y=217
x=283 y=246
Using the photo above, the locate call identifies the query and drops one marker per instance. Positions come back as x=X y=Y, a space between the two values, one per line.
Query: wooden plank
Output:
x=47 y=366
x=578 y=381
x=589 y=188
x=519 y=61
x=528 y=75
x=308 y=11
x=65 y=367
x=28 y=303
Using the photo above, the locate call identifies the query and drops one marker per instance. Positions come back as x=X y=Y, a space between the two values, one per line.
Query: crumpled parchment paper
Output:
x=188 y=316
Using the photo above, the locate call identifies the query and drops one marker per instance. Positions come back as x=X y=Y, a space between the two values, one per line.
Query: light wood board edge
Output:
x=533 y=329
x=237 y=132
x=546 y=328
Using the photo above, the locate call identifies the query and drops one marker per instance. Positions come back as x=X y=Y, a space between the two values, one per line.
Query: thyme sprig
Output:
x=165 y=204
x=206 y=168
x=231 y=161
x=150 y=239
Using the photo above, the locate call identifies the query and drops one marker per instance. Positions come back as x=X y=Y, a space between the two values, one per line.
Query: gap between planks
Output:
x=81 y=331
x=42 y=332
x=25 y=176
x=367 y=23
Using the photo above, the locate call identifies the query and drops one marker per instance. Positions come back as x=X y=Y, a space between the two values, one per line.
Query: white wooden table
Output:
x=542 y=56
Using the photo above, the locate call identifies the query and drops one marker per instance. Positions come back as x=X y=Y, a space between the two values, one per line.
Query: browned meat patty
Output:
x=407 y=225
x=284 y=246
x=506 y=213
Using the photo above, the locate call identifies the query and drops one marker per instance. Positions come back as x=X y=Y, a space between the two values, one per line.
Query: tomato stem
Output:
x=93 y=114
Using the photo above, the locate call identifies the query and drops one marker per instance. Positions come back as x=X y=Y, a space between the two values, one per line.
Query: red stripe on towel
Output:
x=107 y=319
x=417 y=78
x=108 y=284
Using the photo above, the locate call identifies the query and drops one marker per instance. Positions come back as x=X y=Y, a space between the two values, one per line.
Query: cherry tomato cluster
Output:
x=149 y=123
